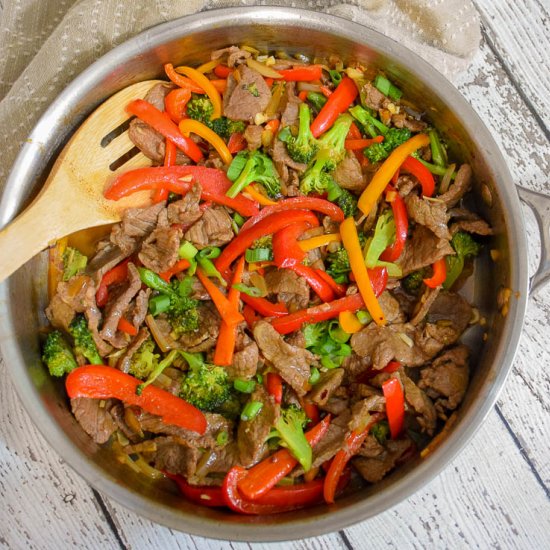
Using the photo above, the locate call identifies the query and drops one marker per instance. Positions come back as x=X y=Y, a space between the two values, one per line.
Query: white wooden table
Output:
x=495 y=494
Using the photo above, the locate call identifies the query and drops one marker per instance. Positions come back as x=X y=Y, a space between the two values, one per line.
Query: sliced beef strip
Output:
x=329 y=382
x=104 y=260
x=388 y=343
x=159 y=251
x=252 y=434
x=478 y=227
x=374 y=469
x=212 y=229
x=348 y=174
x=401 y=120
x=420 y=403
x=361 y=412
x=118 y=413
x=173 y=455
x=117 y=307
x=124 y=362
x=371 y=448
x=94 y=419
x=423 y=249
x=282 y=159
x=146 y=139
x=136 y=225
x=293 y=363
x=430 y=214
x=335 y=405
x=459 y=188
x=374 y=98
x=289 y=288
x=233 y=56
x=186 y=211
x=245 y=359
x=206 y=336
x=405 y=184
x=219 y=461
x=390 y=307
x=446 y=379
x=354 y=366
x=253 y=136
x=244 y=99
x=140 y=307
x=290 y=114
x=424 y=304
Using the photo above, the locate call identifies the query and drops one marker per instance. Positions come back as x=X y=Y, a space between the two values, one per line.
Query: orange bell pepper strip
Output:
x=351 y=243
x=302 y=74
x=102 y=382
x=125 y=326
x=220 y=85
x=267 y=473
x=337 y=103
x=349 y=322
x=260 y=198
x=395 y=405
x=321 y=240
x=225 y=347
x=175 y=103
x=384 y=174
x=439 y=274
x=352 y=445
x=222 y=71
x=360 y=143
x=182 y=81
x=178 y=267
x=162 y=123
x=188 y=125
x=205 y=84
x=228 y=311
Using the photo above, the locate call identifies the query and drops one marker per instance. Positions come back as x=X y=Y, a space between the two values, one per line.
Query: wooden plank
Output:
x=485 y=498
x=43 y=500
x=519 y=31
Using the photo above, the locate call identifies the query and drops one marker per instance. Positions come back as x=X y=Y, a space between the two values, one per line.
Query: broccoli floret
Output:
x=205 y=386
x=331 y=152
x=412 y=283
x=371 y=124
x=290 y=428
x=347 y=202
x=73 y=262
x=266 y=241
x=201 y=109
x=392 y=138
x=158 y=368
x=144 y=361
x=252 y=166
x=381 y=431
x=303 y=147
x=465 y=246
x=57 y=354
x=338 y=266
x=84 y=344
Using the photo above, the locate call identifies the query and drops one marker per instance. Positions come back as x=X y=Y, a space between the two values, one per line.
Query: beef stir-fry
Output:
x=284 y=316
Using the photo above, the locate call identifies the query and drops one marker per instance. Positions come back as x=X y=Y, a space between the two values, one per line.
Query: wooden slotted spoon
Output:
x=72 y=196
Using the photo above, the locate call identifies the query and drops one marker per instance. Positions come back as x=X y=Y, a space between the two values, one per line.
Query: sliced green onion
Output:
x=258 y=255
x=222 y=438
x=210 y=269
x=259 y=378
x=210 y=252
x=317 y=100
x=249 y=290
x=237 y=165
x=387 y=88
x=364 y=317
x=315 y=376
x=437 y=170
x=384 y=235
x=244 y=386
x=337 y=333
x=187 y=251
x=159 y=304
x=251 y=410
x=439 y=155
x=238 y=219
x=335 y=76
x=154 y=281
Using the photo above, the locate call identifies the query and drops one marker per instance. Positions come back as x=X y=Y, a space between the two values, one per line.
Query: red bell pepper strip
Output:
x=267 y=473
x=205 y=495
x=395 y=405
x=225 y=346
x=355 y=133
x=250 y=316
x=302 y=74
x=182 y=81
x=102 y=382
x=214 y=185
x=276 y=501
x=352 y=445
x=285 y=325
x=178 y=267
x=125 y=326
x=439 y=274
x=162 y=123
x=274 y=386
x=236 y=143
x=337 y=103
x=175 y=103
x=298 y=203
x=316 y=282
x=361 y=143
x=171 y=152
x=339 y=290
x=286 y=250
x=401 y=220
x=392 y=366
x=118 y=274
x=421 y=173
x=265 y=307
x=311 y=410
x=222 y=71
x=270 y=224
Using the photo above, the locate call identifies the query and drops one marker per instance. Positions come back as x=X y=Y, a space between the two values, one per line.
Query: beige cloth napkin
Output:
x=44 y=44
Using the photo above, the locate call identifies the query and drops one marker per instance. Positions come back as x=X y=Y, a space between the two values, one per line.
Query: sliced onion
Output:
x=259 y=282
x=264 y=70
x=165 y=344
x=446 y=181
x=308 y=87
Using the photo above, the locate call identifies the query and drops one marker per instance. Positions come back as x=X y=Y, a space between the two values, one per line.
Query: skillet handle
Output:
x=540 y=205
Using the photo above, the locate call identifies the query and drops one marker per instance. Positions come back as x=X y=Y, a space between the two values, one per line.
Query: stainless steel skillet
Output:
x=190 y=40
